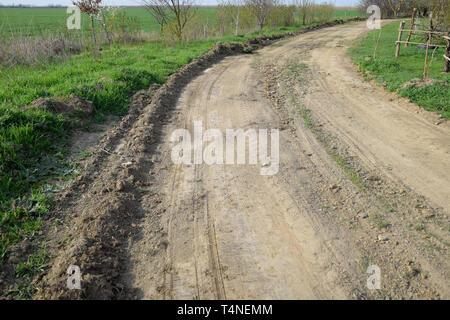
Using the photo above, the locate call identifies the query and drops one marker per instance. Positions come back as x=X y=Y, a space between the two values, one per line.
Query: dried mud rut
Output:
x=364 y=179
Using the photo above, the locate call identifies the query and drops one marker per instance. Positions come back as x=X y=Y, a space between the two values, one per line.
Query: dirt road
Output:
x=364 y=179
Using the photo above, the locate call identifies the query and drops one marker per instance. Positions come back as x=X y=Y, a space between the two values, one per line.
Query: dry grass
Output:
x=32 y=50
x=129 y=38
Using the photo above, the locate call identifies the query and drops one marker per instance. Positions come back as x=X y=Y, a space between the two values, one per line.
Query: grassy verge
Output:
x=26 y=271
x=393 y=72
x=28 y=152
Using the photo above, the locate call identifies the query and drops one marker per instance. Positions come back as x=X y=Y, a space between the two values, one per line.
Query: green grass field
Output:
x=33 y=21
x=394 y=72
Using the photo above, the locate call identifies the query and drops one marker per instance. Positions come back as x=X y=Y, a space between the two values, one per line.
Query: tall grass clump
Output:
x=26 y=140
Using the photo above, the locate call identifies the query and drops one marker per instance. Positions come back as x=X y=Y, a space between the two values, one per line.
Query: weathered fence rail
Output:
x=447 y=53
x=428 y=44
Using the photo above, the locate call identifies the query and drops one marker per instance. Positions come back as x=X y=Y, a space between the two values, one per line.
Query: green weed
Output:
x=393 y=72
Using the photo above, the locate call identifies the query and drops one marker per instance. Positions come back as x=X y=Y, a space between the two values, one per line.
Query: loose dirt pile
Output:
x=69 y=108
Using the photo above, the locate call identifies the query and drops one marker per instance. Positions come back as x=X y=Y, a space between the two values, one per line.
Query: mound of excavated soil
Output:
x=418 y=83
x=53 y=105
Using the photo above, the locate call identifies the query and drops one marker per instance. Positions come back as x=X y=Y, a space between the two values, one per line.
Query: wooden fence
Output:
x=430 y=33
x=447 y=54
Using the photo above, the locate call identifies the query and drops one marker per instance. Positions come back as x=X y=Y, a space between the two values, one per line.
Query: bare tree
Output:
x=103 y=18
x=171 y=13
x=441 y=13
x=92 y=8
x=391 y=8
x=261 y=10
x=395 y=6
x=221 y=17
x=232 y=9
x=305 y=7
x=159 y=12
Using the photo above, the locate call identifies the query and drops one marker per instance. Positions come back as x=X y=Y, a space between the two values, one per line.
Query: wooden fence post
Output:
x=447 y=53
x=400 y=32
x=411 y=27
x=431 y=21
x=426 y=57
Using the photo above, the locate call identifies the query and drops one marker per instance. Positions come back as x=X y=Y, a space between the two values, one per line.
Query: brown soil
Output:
x=73 y=104
x=418 y=83
x=363 y=180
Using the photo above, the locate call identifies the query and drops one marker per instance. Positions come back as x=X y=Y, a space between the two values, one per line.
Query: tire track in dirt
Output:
x=202 y=227
x=313 y=94
x=213 y=248
x=285 y=236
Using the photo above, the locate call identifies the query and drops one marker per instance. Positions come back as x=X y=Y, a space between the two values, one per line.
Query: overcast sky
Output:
x=136 y=2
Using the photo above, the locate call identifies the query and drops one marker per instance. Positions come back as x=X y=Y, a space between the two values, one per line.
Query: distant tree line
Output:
x=440 y=9
x=29 y=6
x=179 y=19
x=15 y=5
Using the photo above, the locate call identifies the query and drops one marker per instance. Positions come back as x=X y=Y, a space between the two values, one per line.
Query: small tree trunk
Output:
x=93 y=29
x=447 y=54
x=376 y=45
x=105 y=28
x=236 y=31
x=179 y=31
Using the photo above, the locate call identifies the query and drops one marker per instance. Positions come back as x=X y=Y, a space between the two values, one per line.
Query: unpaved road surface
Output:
x=364 y=179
